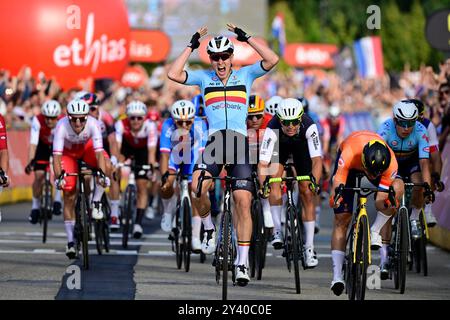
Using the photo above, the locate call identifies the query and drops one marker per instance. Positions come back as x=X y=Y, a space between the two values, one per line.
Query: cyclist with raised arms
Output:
x=40 y=149
x=182 y=140
x=291 y=133
x=225 y=94
x=137 y=138
x=361 y=152
x=78 y=136
x=409 y=140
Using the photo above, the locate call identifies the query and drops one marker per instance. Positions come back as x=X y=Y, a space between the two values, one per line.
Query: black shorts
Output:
x=301 y=158
x=407 y=167
x=231 y=149
x=43 y=153
x=140 y=155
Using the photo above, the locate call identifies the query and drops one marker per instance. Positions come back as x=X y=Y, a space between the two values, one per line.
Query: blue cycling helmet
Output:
x=199 y=105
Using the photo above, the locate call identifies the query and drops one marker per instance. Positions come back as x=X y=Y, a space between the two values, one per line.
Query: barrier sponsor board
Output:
x=149 y=45
x=305 y=55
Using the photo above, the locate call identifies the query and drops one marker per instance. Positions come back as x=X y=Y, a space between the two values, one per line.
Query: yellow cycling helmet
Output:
x=255 y=104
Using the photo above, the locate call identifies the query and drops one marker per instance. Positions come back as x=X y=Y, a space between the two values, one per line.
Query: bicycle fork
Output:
x=362 y=213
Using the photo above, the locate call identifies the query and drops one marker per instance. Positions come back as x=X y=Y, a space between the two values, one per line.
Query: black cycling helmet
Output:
x=305 y=103
x=419 y=105
x=376 y=157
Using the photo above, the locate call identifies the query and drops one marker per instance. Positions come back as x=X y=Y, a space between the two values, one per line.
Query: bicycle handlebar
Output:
x=312 y=186
x=227 y=179
x=363 y=192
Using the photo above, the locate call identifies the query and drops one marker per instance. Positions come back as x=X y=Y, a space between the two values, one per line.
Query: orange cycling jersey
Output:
x=350 y=158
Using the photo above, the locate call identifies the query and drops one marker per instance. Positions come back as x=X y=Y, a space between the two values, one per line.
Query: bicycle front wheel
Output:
x=423 y=245
x=85 y=230
x=226 y=244
x=362 y=257
x=187 y=234
x=402 y=253
x=293 y=222
x=127 y=213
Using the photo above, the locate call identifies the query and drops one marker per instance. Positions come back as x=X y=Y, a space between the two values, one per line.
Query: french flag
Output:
x=278 y=31
x=369 y=57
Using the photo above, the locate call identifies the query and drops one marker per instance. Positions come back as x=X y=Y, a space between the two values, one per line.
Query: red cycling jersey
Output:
x=3 y=136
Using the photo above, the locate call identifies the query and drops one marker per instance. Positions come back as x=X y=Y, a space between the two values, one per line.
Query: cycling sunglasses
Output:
x=93 y=108
x=294 y=122
x=442 y=92
x=81 y=119
x=250 y=117
x=405 y=123
x=218 y=56
x=51 y=118
x=184 y=122
x=134 y=118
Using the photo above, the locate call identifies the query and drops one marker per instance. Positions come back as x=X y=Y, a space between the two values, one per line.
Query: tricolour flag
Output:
x=278 y=32
x=369 y=57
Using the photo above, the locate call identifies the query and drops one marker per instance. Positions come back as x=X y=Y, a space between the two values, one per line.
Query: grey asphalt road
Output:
x=30 y=269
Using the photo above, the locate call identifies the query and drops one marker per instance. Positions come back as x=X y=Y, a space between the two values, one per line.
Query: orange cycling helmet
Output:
x=255 y=104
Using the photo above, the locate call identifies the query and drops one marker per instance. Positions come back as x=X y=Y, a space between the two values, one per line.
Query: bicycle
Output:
x=293 y=250
x=225 y=253
x=82 y=229
x=418 y=247
x=258 y=244
x=46 y=201
x=128 y=208
x=183 y=221
x=358 y=253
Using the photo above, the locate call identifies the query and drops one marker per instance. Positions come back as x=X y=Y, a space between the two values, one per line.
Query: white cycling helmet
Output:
x=77 y=107
x=289 y=109
x=136 y=108
x=405 y=110
x=182 y=110
x=335 y=111
x=80 y=94
x=220 y=44
x=51 y=108
x=272 y=105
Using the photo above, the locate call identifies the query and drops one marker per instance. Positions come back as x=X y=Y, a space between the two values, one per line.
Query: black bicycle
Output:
x=46 y=203
x=293 y=249
x=101 y=227
x=225 y=253
x=82 y=230
x=128 y=209
x=358 y=253
x=181 y=235
x=258 y=244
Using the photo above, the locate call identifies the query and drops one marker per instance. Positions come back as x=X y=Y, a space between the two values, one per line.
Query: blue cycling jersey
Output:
x=226 y=105
x=183 y=148
x=414 y=146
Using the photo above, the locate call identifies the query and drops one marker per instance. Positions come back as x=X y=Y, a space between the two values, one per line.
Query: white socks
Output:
x=70 y=225
x=196 y=226
x=379 y=222
x=169 y=204
x=207 y=222
x=115 y=208
x=338 y=260
x=276 y=217
x=309 y=233
x=58 y=195
x=98 y=193
x=384 y=253
x=36 y=204
x=268 y=221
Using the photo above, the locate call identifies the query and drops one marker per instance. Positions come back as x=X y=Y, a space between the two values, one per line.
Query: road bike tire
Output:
x=287 y=243
x=98 y=230
x=362 y=257
x=252 y=253
x=292 y=213
x=105 y=224
x=177 y=234
x=127 y=214
x=202 y=255
x=401 y=250
x=423 y=245
x=45 y=207
x=187 y=234
x=85 y=231
x=261 y=242
x=300 y=240
x=226 y=241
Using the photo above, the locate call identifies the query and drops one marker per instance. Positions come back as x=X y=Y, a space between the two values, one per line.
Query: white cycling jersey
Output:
x=147 y=136
x=66 y=139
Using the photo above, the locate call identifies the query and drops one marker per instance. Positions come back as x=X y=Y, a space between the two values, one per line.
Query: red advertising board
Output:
x=149 y=46
x=134 y=77
x=306 y=55
x=70 y=40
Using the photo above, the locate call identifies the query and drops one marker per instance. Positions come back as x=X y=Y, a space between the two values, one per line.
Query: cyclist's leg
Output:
x=169 y=200
x=196 y=219
x=69 y=165
x=43 y=152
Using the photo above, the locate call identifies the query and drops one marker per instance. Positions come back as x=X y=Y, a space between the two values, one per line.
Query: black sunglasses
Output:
x=294 y=122
x=257 y=116
x=93 y=108
x=405 y=123
x=217 y=57
x=184 y=122
x=81 y=119
x=136 y=118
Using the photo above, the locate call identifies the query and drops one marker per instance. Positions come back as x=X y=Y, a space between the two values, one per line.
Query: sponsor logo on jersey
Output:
x=241 y=183
x=341 y=162
x=394 y=143
x=215 y=78
x=394 y=174
x=410 y=143
x=426 y=149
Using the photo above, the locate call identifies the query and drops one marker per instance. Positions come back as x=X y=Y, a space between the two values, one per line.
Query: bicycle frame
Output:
x=362 y=211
